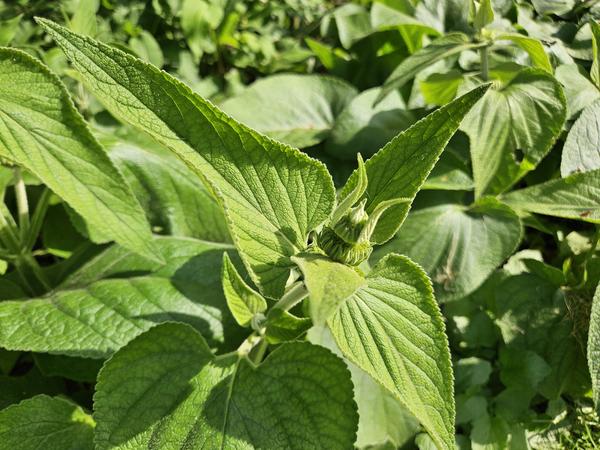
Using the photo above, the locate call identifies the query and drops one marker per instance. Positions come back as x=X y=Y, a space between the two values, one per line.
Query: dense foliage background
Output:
x=332 y=78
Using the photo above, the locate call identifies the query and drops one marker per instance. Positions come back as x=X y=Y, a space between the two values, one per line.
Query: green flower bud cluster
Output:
x=345 y=241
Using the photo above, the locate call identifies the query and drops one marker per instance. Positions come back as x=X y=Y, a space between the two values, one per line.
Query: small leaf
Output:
x=512 y=128
x=393 y=329
x=574 y=197
x=243 y=301
x=441 y=48
x=329 y=283
x=464 y=244
x=273 y=195
x=533 y=47
x=46 y=422
x=41 y=130
x=593 y=350
x=165 y=390
x=353 y=196
x=299 y=110
x=581 y=152
x=484 y=15
x=399 y=169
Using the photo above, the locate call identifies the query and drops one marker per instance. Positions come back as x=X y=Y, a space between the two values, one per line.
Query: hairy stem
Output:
x=483 y=54
x=22 y=202
x=292 y=297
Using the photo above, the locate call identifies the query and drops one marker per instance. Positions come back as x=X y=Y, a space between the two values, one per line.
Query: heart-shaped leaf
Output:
x=165 y=390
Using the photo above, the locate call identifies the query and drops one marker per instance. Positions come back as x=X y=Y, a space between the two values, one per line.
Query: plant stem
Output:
x=259 y=352
x=39 y=214
x=292 y=297
x=22 y=203
x=483 y=54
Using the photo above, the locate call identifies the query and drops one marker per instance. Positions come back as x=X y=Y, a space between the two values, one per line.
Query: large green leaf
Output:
x=464 y=245
x=579 y=90
x=299 y=110
x=165 y=390
x=93 y=319
x=329 y=283
x=45 y=422
x=512 y=128
x=174 y=199
x=364 y=128
x=393 y=329
x=273 y=195
x=400 y=168
x=41 y=130
x=574 y=197
x=581 y=152
x=441 y=48
x=593 y=350
x=382 y=418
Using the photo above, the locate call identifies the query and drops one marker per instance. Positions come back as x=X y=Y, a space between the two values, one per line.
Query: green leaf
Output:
x=365 y=128
x=464 y=245
x=581 y=152
x=273 y=195
x=299 y=110
x=8 y=29
x=93 y=319
x=243 y=301
x=484 y=15
x=169 y=191
x=46 y=422
x=329 y=283
x=595 y=72
x=72 y=368
x=579 y=90
x=545 y=7
x=400 y=168
x=441 y=88
x=593 y=348
x=165 y=390
x=574 y=197
x=512 y=128
x=84 y=18
x=489 y=433
x=353 y=23
x=451 y=172
x=393 y=330
x=41 y=130
x=146 y=47
x=441 y=48
x=382 y=418
x=533 y=47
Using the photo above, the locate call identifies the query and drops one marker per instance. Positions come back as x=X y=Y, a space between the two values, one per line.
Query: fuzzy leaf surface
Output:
x=95 y=319
x=393 y=329
x=512 y=128
x=165 y=390
x=273 y=195
x=574 y=197
x=299 y=110
x=464 y=245
x=401 y=167
x=581 y=152
x=41 y=130
x=329 y=283
x=51 y=423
